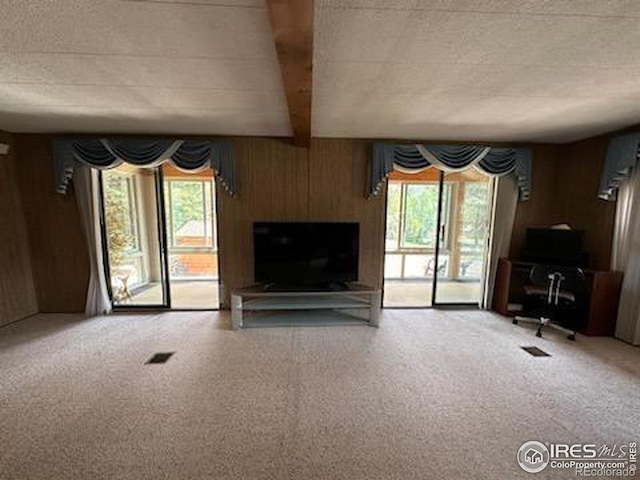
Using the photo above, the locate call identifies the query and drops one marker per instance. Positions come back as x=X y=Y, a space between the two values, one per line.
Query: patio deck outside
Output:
x=196 y=294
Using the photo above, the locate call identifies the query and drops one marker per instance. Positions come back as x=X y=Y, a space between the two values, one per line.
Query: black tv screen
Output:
x=555 y=246
x=305 y=253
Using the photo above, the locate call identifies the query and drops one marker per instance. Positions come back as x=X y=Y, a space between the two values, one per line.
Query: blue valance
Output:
x=622 y=156
x=106 y=153
x=451 y=158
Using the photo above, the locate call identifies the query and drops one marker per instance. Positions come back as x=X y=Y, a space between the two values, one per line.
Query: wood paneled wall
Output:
x=338 y=173
x=277 y=182
x=280 y=182
x=565 y=190
x=272 y=184
x=539 y=210
x=577 y=181
x=17 y=290
x=58 y=252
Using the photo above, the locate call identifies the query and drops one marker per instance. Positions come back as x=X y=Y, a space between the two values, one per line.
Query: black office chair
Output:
x=555 y=297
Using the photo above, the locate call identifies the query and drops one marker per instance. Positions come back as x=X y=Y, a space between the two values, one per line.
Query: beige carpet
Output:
x=428 y=395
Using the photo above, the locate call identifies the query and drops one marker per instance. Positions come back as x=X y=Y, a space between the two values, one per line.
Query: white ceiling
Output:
x=140 y=66
x=536 y=70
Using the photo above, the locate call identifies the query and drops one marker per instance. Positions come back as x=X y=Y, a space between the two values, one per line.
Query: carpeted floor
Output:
x=429 y=395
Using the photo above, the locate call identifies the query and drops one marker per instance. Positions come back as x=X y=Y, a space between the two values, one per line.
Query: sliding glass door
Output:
x=436 y=238
x=410 y=243
x=192 y=238
x=133 y=239
x=462 y=251
x=160 y=237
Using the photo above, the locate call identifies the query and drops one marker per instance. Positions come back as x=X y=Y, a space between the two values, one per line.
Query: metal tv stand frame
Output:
x=257 y=297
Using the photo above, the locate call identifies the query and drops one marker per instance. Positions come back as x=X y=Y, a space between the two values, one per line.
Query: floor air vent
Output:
x=160 y=358
x=535 y=351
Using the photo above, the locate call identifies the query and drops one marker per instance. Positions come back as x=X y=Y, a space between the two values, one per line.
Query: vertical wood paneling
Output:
x=338 y=171
x=578 y=179
x=58 y=251
x=272 y=184
x=565 y=190
x=17 y=290
x=540 y=210
x=279 y=182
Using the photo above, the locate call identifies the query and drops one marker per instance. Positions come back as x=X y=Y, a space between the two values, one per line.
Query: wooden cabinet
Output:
x=603 y=291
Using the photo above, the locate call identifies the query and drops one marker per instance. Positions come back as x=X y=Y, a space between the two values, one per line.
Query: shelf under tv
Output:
x=337 y=306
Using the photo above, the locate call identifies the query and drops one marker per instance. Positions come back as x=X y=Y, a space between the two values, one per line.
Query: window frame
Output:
x=399 y=241
x=138 y=252
x=487 y=220
x=133 y=196
x=169 y=181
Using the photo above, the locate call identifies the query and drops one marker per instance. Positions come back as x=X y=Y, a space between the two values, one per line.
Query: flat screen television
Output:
x=555 y=246
x=305 y=253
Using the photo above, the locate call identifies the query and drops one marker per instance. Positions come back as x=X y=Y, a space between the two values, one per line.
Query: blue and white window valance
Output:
x=106 y=153
x=412 y=158
x=622 y=158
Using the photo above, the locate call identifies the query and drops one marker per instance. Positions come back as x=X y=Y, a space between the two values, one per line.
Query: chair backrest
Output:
x=572 y=278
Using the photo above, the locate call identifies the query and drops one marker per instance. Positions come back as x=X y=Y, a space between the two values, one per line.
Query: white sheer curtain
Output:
x=505 y=202
x=85 y=182
x=626 y=257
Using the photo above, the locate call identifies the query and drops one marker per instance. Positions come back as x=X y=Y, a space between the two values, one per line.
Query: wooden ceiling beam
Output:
x=292 y=27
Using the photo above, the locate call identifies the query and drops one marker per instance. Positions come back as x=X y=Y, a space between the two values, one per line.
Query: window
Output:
x=121 y=212
x=474 y=226
x=412 y=212
x=394 y=207
x=123 y=227
x=192 y=214
x=191 y=229
x=420 y=216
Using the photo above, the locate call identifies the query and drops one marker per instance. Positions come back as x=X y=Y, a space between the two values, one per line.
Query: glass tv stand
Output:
x=300 y=307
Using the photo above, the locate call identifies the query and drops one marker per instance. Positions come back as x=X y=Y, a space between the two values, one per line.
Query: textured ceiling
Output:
x=148 y=66
x=539 y=70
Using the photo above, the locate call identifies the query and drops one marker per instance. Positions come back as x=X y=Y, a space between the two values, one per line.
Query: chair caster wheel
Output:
x=572 y=337
x=539 y=334
x=514 y=321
